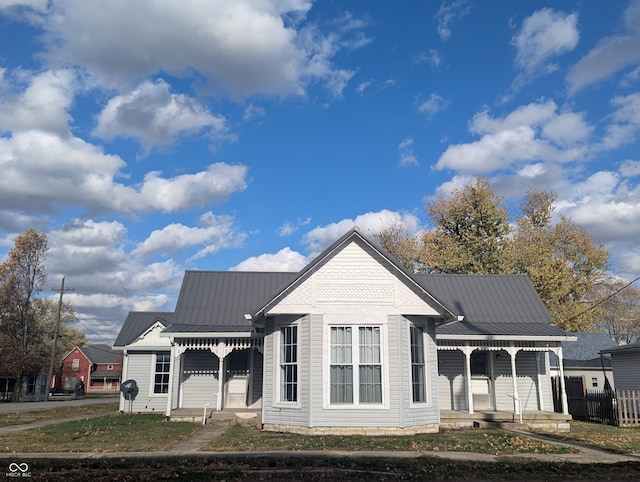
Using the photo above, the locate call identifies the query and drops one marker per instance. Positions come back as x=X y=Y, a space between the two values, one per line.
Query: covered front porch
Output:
x=506 y=380
x=214 y=373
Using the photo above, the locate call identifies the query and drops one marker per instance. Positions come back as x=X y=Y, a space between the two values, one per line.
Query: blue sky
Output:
x=208 y=134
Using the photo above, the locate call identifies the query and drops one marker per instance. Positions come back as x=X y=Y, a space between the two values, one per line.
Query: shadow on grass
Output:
x=316 y=468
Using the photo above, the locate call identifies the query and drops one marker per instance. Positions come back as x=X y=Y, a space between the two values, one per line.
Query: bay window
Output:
x=355 y=365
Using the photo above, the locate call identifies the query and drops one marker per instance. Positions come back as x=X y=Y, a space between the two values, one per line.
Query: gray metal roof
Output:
x=220 y=299
x=587 y=346
x=138 y=322
x=630 y=347
x=217 y=301
x=101 y=354
x=491 y=305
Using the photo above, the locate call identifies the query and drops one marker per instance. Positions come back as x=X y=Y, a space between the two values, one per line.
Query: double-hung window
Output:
x=289 y=363
x=355 y=365
x=418 y=373
x=161 y=375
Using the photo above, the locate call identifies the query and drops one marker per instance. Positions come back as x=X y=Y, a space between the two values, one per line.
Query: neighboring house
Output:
x=98 y=367
x=582 y=358
x=33 y=387
x=352 y=343
x=625 y=361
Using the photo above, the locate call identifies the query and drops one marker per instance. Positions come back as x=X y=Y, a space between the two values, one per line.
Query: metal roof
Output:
x=138 y=322
x=630 y=347
x=587 y=346
x=220 y=299
x=102 y=354
x=217 y=301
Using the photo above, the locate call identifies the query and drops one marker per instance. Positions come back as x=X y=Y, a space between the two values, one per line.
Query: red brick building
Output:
x=98 y=367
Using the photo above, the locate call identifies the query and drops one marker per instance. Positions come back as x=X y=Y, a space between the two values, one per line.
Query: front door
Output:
x=237 y=379
x=481 y=380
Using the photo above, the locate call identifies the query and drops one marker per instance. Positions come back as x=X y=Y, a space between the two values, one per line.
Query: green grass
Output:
x=623 y=440
x=25 y=417
x=114 y=433
x=490 y=441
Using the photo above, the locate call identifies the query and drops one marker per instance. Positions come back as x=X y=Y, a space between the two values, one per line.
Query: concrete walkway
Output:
x=193 y=446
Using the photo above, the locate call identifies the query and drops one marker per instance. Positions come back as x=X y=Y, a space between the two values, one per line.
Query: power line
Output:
x=595 y=305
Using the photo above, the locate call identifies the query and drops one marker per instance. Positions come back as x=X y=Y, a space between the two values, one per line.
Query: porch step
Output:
x=550 y=421
x=224 y=417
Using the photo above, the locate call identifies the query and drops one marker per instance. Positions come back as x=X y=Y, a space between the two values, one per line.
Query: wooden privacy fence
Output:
x=628 y=407
x=621 y=407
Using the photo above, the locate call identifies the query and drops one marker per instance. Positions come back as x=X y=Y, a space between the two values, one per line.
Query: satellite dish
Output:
x=129 y=390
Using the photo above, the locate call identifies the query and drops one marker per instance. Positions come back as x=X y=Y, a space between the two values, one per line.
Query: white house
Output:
x=352 y=343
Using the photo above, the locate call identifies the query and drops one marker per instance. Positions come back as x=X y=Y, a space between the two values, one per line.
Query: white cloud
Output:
x=42 y=171
x=284 y=260
x=630 y=168
x=107 y=281
x=535 y=132
x=182 y=192
x=610 y=55
x=544 y=35
x=369 y=223
x=625 y=121
x=39 y=5
x=242 y=47
x=288 y=228
x=216 y=232
x=42 y=106
x=450 y=12
x=432 y=57
x=155 y=116
x=362 y=86
x=407 y=156
x=252 y=112
x=434 y=104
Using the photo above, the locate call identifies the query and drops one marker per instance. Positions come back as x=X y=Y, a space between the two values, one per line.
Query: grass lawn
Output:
x=490 y=441
x=113 y=433
x=624 y=440
x=19 y=418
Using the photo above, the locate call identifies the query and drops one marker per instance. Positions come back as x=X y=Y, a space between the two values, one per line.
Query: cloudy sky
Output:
x=146 y=138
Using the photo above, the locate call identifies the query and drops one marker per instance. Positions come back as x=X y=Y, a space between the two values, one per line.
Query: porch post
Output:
x=171 y=365
x=563 y=390
x=467 y=350
x=540 y=396
x=221 y=378
x=514 y=376
x=220 y=350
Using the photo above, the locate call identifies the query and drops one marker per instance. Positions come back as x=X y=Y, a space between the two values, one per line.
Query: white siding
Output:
x=626 y=372
x=451 y=385
x=199 y=379
x=274 y=412
x=140 y=367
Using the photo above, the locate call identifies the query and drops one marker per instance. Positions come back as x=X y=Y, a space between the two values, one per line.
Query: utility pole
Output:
x=55 y=338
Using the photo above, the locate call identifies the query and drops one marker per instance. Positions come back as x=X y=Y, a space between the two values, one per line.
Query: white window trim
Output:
x=326 y=364
x=427 y=368
x=152 y=380
x=277 y=401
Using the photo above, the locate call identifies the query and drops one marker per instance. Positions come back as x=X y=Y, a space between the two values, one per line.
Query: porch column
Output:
x=563 y=390
x=221 y=350
x=540 y=381
x=467 y=350
x=170 y=389
x=514 y=376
